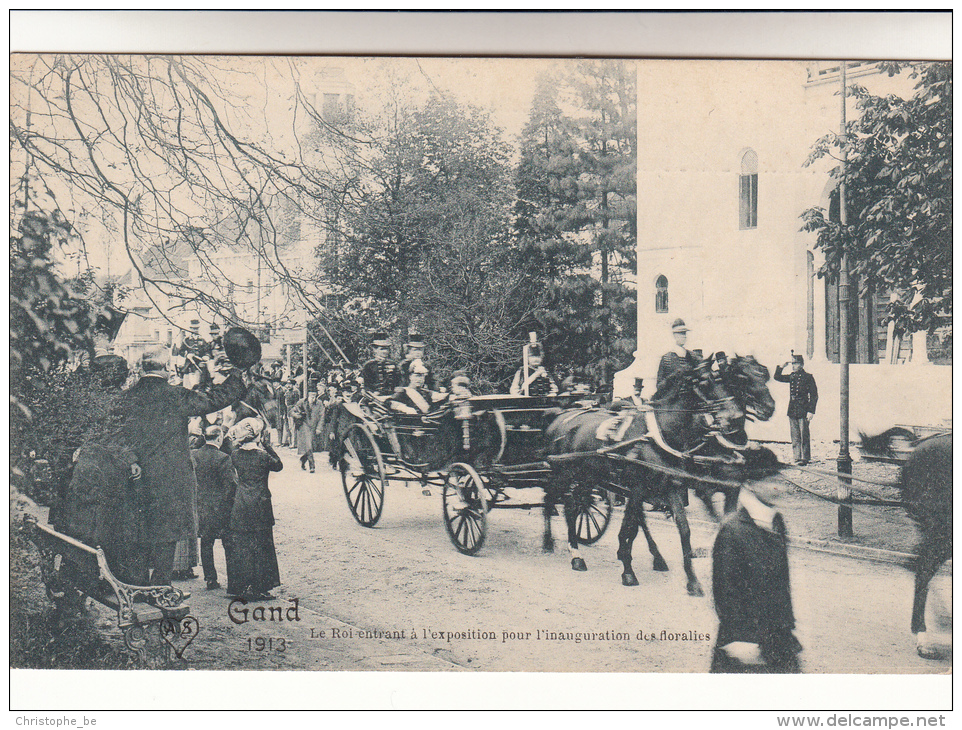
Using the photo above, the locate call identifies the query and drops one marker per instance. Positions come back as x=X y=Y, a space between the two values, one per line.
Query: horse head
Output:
x=719 y=405
x=747 y=380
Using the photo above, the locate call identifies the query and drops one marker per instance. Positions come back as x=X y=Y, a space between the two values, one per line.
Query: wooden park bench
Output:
x=155 y=620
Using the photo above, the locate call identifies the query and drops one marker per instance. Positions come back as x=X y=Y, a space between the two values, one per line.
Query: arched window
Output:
x=661 y=294
x=748 y=191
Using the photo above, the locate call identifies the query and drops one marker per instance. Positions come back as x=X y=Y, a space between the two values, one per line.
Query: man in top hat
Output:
x=416 y=397
x=635 y=400
x=415 y=351
x=381 y=375
x=803 y=397
x=678 y=361
x=537 y=379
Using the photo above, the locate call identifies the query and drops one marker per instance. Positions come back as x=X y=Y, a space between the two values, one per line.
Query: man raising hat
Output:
x=150 y=442
x=381 y=375
x=676 y=362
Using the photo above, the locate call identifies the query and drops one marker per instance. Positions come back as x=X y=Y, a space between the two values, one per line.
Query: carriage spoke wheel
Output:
x=592 y=507
x=465 y=505
x=362 y=475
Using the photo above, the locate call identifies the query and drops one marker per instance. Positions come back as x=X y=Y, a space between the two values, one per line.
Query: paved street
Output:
x=400 y=597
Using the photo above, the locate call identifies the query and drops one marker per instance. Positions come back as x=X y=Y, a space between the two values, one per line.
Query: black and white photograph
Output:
x=545 y=378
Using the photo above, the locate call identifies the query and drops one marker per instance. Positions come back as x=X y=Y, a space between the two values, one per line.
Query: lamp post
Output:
x=844 y=461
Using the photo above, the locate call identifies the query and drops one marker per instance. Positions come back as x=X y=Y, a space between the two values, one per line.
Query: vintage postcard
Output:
x=538 y=370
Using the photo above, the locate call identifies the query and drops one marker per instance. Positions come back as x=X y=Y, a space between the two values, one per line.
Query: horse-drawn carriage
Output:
x=478 y=451
x=481 y=452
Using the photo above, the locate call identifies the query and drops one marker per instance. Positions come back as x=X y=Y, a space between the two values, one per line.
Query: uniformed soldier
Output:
x=381 y=375
x=416 y=397
x=415 y=351
x=676 y=362
x=537 y=378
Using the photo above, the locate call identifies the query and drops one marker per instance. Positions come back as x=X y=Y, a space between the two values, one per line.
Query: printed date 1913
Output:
x=277 y=644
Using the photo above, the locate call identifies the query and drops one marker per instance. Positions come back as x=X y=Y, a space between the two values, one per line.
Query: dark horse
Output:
x=674 y=427
x=926 y=486
x=747 y=381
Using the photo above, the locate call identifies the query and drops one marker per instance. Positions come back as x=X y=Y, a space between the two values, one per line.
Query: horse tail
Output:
x=881 y=444
x=926 y=482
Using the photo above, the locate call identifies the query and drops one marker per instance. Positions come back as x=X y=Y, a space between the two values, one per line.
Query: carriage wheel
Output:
x=592 y=508
x=362 y=474
x=465 y=504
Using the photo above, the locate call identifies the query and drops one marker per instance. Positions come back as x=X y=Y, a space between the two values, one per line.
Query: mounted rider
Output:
x=677 y=362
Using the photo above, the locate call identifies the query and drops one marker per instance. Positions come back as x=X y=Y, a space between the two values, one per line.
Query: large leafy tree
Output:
x=898 y=182
x=423 y=216
x=575 y=222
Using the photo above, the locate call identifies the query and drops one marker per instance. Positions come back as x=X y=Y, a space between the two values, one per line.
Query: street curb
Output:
x=847 y=550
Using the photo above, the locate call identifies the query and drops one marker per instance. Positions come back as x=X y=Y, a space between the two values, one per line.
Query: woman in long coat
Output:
x=251 y=559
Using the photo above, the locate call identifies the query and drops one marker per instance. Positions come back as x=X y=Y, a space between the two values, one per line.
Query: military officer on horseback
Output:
x=678 y=361
x=381 y=375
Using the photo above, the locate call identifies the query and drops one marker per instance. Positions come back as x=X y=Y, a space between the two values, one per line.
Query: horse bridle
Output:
x=712 y=406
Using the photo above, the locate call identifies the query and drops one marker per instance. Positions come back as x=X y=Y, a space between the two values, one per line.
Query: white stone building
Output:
x=721 y=186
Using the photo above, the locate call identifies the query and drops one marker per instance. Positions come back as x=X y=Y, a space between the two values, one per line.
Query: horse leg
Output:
x=712 y=501
x=570 y=515
x=677 y=504
x=930 y=558
x=547 y=540
x=635 y=517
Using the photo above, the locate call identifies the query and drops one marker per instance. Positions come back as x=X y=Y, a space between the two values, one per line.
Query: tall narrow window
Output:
x=661 y=294
x=748 y=191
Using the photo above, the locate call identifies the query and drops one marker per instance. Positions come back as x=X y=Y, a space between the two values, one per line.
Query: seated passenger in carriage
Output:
x=460 y=386
x=381 y=375
x=416 y=398
x=535 y=379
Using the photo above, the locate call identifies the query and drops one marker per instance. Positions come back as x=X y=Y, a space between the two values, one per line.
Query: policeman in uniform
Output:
x=676 y=362
x=415 y=351
x=381 y=375
x=803 y=396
